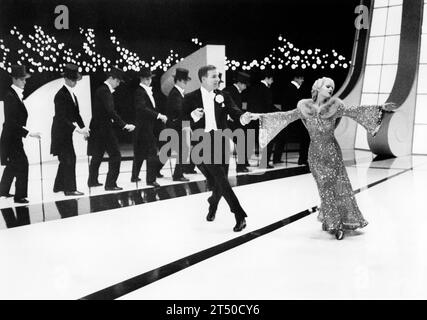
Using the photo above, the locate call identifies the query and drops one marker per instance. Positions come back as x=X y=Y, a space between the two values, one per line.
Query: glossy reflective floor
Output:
x=156 y=244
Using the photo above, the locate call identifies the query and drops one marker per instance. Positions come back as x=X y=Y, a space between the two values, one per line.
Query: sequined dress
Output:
x=338 y=209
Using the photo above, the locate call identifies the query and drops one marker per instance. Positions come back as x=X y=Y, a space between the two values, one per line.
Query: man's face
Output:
x=211 y=81
x=146 y=81
x=300 y=80
x=182 y=84
x=19 y=82
x=70 y=83
x=242 y=86
x=115 y=83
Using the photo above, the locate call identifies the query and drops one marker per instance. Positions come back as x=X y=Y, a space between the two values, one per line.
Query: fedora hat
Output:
x=19 y=71
x=181 y=74
x=145 y=73
x=242 y=77
x=71 y=71
x=116 y=73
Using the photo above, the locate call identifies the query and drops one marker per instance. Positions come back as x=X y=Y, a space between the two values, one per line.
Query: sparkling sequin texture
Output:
x=338 y=209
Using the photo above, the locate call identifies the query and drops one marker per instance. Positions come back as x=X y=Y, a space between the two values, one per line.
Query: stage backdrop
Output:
x=41 y=109
x=209 y=54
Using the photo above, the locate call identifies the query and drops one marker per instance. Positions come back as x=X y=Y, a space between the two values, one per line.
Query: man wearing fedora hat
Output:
x=102 y=137
x=260 y=100
x=145 y=140
x=240 y=83
x=11 y=147
x=174 y=113
x=67 y=119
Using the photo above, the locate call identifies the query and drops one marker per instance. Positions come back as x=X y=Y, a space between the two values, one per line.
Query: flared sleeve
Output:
x=368 y=116
x=270 y=124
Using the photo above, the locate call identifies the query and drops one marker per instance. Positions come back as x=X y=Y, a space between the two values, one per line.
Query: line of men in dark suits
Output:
x=101 y=134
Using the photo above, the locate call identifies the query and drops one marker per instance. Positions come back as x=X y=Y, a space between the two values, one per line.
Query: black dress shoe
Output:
x=182 y=179
x=96 y=184
x=159 y=175
x=302 y=163
x=269 y=166
x=154 y=184
x=73 y=193
x=190 y=172
x=6 y=195
x=58 y=190
x=242 y=169
x=115 y=188
x=211 y=216
x=240 y=225
x=278 y=161
x=135 y=179
x=22 y=200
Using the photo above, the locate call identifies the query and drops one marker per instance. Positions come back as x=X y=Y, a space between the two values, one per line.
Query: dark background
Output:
x=248 y=28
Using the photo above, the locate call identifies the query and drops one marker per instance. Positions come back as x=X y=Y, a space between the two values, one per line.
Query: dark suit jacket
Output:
x=104 y=116
x=194 y=100
x=237 y=98
x=66 y=112
x=235 y=95
x=145 y=140
x=291 y=96
x=15 y=115
x=174 y=109
x=260 y=99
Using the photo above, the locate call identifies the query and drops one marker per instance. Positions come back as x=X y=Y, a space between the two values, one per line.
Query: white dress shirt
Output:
x=149 y=91
x=237 y=87
x=209 y=109
x=296 y=84
x=180 y=90
x=70 y=90
x=19 y=92
x=266 y=84
x=109 y=86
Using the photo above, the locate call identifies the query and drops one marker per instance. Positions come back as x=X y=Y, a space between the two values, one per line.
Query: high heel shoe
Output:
x=339 y=234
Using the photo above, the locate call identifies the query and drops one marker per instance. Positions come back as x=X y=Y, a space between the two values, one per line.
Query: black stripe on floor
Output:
x=135 y=283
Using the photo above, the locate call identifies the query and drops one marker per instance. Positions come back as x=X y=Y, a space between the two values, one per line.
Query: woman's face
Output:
x=327 y=89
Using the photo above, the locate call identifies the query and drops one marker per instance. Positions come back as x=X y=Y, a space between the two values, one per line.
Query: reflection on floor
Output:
x=138 y=247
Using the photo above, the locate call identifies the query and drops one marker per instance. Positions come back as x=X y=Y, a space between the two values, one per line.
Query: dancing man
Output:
x=207 y=109
x=11 y=147
x=67 y=119
x=102 y=137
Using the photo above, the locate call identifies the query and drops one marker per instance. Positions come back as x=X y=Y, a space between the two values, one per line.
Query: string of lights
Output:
x=44 y=53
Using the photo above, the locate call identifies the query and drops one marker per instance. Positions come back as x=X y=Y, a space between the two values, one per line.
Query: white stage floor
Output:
x=76 y=257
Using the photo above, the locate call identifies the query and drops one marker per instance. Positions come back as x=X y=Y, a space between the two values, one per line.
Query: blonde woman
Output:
x=320 y=114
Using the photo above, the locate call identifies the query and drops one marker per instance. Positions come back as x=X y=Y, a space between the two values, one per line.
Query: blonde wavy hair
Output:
x=317 y=85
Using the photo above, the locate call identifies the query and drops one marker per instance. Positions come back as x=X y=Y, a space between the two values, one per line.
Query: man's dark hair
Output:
x=203 y=71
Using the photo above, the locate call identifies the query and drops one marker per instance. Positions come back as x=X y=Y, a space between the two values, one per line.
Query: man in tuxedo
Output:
x=295 y=130
x=145 y=139
x=174 y=114
x=240 y=83
x=67 y=119
x=260 y=100
x=207 y=109
x=12 y=152
x=102 y=137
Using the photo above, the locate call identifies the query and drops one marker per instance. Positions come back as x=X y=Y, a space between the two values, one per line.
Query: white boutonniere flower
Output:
x=219 y=99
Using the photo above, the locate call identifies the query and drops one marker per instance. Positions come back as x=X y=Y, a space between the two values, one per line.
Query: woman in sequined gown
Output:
x=338 y=210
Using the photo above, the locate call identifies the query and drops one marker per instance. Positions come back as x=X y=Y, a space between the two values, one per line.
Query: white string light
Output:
x=44 y=53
